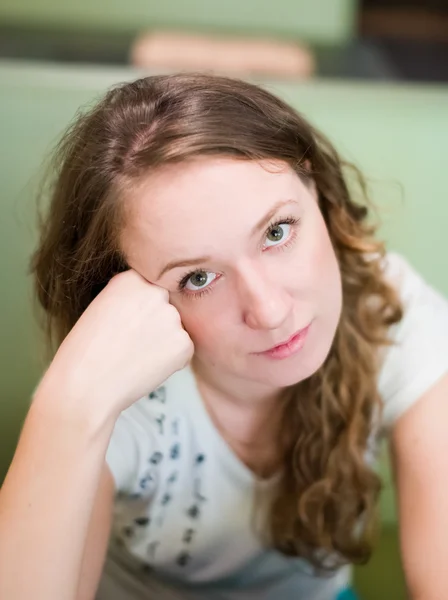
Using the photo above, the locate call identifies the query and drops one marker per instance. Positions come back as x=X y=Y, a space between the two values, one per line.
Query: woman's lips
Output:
x=293 y=345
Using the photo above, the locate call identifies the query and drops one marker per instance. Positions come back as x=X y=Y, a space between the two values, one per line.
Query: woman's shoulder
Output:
x=418 y=353
x=402 y=275
x=143 y=434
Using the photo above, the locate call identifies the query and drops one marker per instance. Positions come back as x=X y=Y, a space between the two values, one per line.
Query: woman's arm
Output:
x=107 y=362
x=47 y=499
x=97 y=537
x=420 y=456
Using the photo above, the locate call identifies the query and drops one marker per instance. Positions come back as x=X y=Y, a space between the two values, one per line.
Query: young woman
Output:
x=231 y=341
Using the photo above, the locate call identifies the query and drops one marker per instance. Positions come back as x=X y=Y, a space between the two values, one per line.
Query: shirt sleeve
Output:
x=133 y=449
x=418 y=356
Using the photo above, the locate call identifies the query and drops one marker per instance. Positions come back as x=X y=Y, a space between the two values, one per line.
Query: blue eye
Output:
x=277 y=233
x=198 y=280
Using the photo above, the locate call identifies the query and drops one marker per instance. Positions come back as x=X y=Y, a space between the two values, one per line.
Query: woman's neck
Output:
x=248 y=415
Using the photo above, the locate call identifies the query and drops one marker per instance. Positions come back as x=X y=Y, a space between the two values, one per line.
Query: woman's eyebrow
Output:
x=263 y=222
x=192 y=262
x=183 y=263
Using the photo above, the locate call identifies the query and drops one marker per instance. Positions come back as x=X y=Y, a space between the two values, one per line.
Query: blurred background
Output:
x=372 y=74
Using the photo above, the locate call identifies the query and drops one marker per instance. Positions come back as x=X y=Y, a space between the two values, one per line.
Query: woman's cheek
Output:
x=197 y=323
x=324 y=262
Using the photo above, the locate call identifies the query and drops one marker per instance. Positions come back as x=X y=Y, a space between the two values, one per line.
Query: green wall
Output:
x=397 y=134
x=316 y=20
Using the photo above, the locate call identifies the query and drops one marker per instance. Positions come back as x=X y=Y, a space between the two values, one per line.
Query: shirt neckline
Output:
x=226 y=451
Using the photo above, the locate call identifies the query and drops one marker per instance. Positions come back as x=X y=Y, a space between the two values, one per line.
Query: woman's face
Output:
x=243 y=249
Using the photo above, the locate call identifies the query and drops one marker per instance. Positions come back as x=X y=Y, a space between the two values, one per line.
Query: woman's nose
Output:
x=265 y=300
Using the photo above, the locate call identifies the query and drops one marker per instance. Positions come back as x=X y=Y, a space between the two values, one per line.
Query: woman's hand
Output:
x=126 y=343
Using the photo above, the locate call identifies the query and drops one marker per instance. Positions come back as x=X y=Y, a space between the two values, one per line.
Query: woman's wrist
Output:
x=63 y=406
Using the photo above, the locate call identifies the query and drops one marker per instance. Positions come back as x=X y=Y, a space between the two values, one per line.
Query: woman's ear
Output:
x=307 y=165
x=310 y=181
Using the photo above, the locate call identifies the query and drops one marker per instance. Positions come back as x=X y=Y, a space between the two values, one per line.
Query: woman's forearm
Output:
x=46 y=501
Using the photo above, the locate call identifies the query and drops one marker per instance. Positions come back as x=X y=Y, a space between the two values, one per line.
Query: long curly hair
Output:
x=324 y=509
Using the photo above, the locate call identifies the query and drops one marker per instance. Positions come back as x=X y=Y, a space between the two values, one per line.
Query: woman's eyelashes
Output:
x=279 y=234
x=196 y=283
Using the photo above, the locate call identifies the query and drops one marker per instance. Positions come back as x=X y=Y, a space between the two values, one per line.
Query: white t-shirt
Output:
x=183 y=525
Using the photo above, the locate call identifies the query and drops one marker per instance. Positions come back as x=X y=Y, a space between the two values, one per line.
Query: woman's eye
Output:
x=199 y=280
x=277 y=233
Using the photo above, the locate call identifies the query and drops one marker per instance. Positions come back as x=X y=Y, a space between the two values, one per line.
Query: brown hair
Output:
x=327 y=488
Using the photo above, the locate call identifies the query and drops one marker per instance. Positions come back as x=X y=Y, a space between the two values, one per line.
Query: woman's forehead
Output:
x=206 y=205
x=210 y=188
